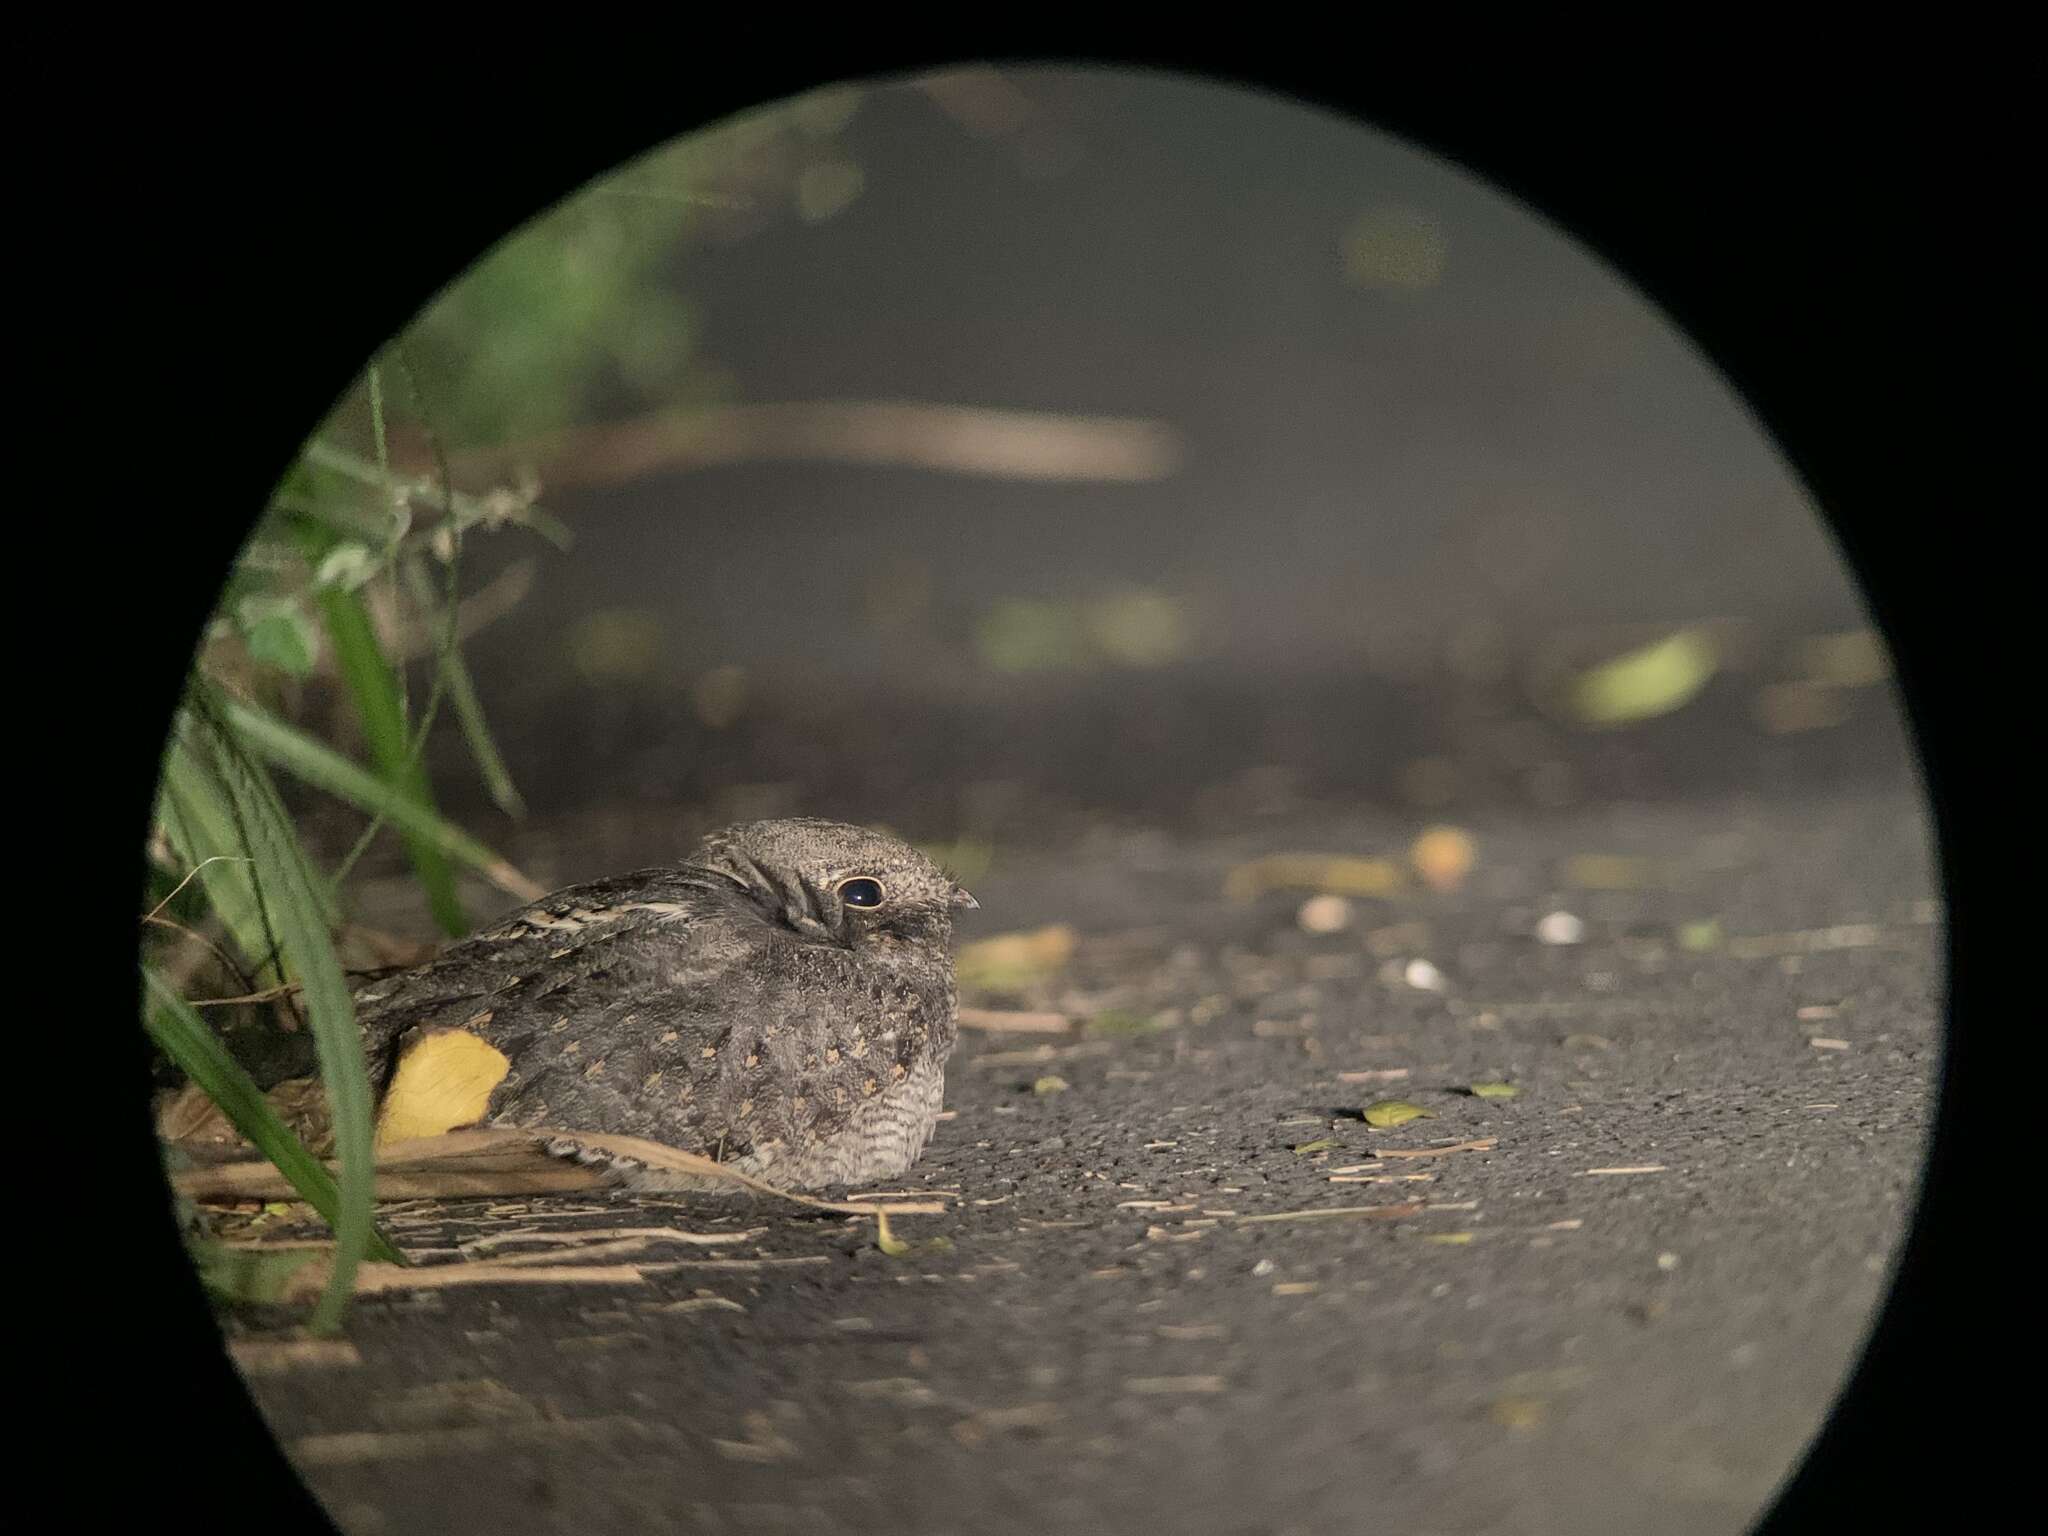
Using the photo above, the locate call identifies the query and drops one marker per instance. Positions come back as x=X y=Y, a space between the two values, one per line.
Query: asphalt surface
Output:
x=1109 y=1338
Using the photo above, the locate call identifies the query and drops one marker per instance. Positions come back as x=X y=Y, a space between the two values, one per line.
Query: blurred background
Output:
x=1006 y=449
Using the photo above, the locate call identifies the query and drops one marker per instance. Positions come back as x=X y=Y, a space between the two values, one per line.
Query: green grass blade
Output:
x=192 y=808
x=313 y=763
x=182 y=1035
x=330 y=1007
x=374 y=685
x=325 y=897
x=469 y=710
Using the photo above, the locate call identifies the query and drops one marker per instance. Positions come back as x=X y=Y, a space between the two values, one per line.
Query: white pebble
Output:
x=1423 y=976
x=1264 y=1267
x=1667 y=1262
x=1324 y=914
x=1560 y=928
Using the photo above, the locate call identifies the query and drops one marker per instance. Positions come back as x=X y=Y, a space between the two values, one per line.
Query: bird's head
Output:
x=839 y=884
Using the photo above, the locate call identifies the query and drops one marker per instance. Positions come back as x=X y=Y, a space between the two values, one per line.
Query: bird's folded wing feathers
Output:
x=577 y=921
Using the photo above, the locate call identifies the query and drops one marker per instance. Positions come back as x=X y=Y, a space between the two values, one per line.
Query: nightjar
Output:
x=782 y=1001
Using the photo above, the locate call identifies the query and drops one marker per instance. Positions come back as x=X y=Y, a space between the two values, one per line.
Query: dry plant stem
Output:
x=1005 y=1021
x=1002 y=444
x=217 y=858
x=287 y=1019
x=498 y=1161
x=1483 y=1144
x=1366 y=1212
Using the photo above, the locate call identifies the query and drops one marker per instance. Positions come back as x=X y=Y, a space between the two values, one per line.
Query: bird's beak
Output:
x=964 y=900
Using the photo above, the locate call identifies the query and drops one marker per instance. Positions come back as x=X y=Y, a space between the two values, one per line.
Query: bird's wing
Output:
x=532 y=954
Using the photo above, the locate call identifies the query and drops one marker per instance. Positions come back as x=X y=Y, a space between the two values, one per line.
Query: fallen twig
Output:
x=611 y=1234
x=354 y=1447
x=1591 y=1173
x=310 y=1279
x=1366 y=1212
x=1014 y=1022
x=965 y=440
x=503 y=1161
x=1483 y=1144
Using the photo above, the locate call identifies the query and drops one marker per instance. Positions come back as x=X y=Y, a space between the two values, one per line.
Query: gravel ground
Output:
x=1104 y=1333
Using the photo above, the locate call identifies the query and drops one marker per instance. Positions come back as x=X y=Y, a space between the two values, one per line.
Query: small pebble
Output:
x=1264 y=1267
x=1560 y=928
x=1423 y=976
x=1443 y=856
x=1325 y=914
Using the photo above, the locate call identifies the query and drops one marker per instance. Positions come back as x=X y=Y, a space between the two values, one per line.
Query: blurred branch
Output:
x=954 y=439
x=979 y=99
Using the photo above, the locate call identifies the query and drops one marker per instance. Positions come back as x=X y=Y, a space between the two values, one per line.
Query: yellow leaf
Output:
x=1645 y=683
x=1518 y=1412
x=966 y=860
x=1117 y=1022
x=1023 y=636
x=1494 y=1090
x=1700 y=936
x=1443 y=857
x=1010 y=961
x=1050 y=1083
x=1138 y=628
x=1607 y=872
x=1330 y=873
x=1389 y=246
x=444 y=1081
x=615 y=644
x=893 y=1246
x=1388 y=1113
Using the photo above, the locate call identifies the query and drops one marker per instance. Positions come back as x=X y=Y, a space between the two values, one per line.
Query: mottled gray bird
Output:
x=782 y=1001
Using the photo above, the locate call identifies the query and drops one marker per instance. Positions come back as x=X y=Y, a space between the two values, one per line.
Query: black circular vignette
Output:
x=275 y=309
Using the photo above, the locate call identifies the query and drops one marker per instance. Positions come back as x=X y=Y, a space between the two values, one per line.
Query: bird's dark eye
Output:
x=861 y=892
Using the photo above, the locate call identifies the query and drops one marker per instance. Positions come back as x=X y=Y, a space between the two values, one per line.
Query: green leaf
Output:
x=1325 y=1145
x=1700 y=936
x=225 y=828
x=1645 y=683
x=278 y=634
x=296 y=914
x=1388 y=1113
x=1022 y=636
x=1118 y=1022
x=182 y=1035
x=325 y=769
x=373 y=684
x=1494 y=1090
x=193 y=811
